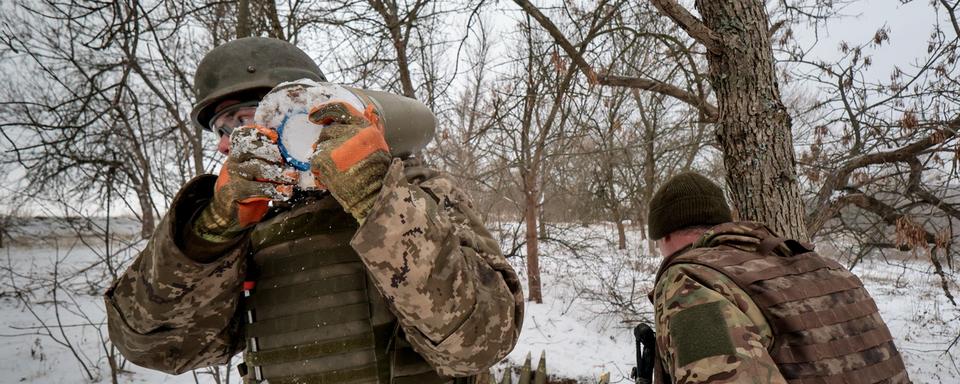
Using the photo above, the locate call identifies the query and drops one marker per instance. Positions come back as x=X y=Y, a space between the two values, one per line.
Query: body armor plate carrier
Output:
x=826 y=327
x=312 y=314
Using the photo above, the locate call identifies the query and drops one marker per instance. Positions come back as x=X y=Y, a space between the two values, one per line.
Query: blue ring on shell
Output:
x=299 y=165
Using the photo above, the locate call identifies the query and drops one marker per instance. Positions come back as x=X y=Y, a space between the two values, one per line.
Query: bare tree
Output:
x=877 y=150
x=752 y=124
x=97 y=117
x=107 y=99
x=881 y=159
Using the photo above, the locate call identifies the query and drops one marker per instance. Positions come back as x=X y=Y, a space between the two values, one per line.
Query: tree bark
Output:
x=754 y=128
x=243 y=18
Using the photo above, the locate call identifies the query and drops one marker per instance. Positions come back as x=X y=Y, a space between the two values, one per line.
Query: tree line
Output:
x=551 y=114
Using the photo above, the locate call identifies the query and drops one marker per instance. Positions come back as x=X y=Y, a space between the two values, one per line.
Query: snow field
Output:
x=593 y=295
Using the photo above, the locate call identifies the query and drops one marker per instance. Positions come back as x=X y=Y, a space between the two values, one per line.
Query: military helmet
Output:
x=247 y=68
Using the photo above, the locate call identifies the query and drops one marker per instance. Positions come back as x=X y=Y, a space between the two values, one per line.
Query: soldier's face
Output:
x=231 y=114
x=678 y=240
x=673 y=242
x=224 y=145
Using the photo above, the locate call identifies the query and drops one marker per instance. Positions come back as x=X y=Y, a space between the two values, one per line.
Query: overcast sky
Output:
x=910 y=26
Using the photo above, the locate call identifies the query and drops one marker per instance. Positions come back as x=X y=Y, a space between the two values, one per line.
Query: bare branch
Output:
x=689 y=23
x=837 y=180
x=662 y=88
x=952 y=12
x=612 y=80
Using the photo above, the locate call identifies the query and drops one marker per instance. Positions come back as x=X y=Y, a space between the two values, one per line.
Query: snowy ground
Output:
x=593 y=295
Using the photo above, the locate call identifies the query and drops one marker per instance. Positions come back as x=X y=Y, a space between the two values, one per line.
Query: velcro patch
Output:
x=700 y=332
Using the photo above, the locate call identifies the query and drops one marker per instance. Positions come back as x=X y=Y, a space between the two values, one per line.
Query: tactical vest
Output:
x=826 y=327
x=312 y=314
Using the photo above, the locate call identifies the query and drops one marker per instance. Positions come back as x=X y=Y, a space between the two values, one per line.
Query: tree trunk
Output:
x=528 y=171
x=403 y=66
x=243 y=18
x=542 y=223
x=276 y=29
x=754 y=129
x=649 y=183
x=533 y=256
x=621 y=234
x=148 y=223
x=399 y=35
x=649 y=169
x=196 y=147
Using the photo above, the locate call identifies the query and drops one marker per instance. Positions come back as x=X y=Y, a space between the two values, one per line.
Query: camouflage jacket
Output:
x=459 y=303
x=684 y=336
x=746 y=306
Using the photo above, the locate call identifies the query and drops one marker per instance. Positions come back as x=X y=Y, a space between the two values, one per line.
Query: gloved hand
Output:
x=351 y=155
x=252 y=176
x=416 y=172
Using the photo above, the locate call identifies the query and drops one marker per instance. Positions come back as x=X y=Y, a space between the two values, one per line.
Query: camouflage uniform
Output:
x=687 y=286
x=709 y=329
x=456 y=298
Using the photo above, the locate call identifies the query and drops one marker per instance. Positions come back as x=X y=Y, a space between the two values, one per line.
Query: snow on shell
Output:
x=285 y=110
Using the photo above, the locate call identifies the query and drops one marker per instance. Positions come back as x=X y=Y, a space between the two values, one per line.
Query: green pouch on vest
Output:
x=700 y=332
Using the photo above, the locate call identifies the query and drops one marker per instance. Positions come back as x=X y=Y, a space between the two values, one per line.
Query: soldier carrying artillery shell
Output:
x=343 y=259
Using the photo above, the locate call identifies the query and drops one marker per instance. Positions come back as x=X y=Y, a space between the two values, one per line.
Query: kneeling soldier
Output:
x=735 y=303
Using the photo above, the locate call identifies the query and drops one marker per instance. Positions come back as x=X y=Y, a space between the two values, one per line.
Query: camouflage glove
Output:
x=251 y=177
x=351 y=156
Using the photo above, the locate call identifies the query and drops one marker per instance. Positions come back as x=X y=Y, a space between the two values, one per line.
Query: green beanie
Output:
x=686 y=200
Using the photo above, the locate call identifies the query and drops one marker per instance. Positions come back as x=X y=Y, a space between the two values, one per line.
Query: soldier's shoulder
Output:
x=692 y=269
x=692 y=263
x=690 y=276
x=447 y=190
x=686 y=285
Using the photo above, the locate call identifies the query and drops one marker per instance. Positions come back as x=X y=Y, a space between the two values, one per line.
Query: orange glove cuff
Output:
x=251 y=211
x=359 y=147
